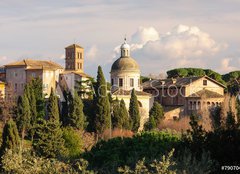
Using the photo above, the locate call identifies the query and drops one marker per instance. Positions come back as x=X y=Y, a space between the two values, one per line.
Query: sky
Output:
x=163 y=34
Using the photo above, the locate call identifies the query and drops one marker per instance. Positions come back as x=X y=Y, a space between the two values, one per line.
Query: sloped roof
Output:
x=35 y=64
x=206 y=94
x=74 y=46
x=184 y=81
x=76 y=72
x=125 y=92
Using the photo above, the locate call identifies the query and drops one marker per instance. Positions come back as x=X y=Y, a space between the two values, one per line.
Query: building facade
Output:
x=21 y=72
x=184 y=96
x=74 y=71
x=125 y=75
x=74 y=58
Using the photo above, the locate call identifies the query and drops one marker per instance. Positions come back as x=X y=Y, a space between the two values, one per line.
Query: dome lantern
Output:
x=125 y=71
x=125 y=49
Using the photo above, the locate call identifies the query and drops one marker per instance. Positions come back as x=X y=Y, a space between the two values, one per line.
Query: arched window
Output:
x=139 y=104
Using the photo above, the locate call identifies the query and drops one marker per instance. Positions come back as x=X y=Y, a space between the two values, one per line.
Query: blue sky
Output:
x=163 y=34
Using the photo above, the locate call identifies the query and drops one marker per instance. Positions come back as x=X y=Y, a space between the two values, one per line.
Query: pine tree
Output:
x=134 y=112
x=48 y=140
x=10 y=137
x=23 y=114
x=102 y=106
x=123 y=113
x=76 y=117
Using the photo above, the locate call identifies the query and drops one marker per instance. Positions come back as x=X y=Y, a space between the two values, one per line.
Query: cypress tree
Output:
x=33 y=109
x=156 y=114
x=102 y=106
x=52 y=107
x=65 y=109
x=134 y=112
x=116 y=118
x=10 y=137
x=48 y=140
x=23 y=114
x=230 y=120
x=76 y=117
x=123 y=113
x=37 y=87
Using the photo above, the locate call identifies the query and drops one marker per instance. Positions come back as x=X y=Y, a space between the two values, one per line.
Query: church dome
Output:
x=125 y=64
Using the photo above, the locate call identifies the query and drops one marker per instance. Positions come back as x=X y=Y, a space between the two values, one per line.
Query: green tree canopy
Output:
x=102 y=106
x=52 y=107
x=76 y=117
x=123 y=113
x=10 y=137
x=48 y=139
x=156 y=114
x=134 y=112
x=23 y=114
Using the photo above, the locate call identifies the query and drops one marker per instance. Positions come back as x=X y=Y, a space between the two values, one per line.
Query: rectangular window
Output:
x=33 y=75
x=15 y=87
x=112 y=81
x=205 y=82
x=120 y=82
x=131 y=82
x=81 y=56
x=80 y=65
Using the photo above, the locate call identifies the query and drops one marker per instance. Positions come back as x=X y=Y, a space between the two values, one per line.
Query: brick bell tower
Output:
x=74 y=58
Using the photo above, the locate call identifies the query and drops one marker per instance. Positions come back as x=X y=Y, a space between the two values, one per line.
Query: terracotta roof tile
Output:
x=35 y=64
x=206 y=94
x=74 y=46
x=76 y=72
x=165 y=83
x=125 y=92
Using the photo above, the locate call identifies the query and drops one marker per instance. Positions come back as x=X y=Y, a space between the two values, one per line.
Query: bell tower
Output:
x=74 y=58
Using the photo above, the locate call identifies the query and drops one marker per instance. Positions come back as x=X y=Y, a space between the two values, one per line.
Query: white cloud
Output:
x=182 y=46
x=91 y=53
x=143 y=35
x=229 y=64
x=184 y=42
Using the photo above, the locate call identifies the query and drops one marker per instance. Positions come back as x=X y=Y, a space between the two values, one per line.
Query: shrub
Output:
x=28 y=163
x=73 y=142
x=107 y=156
x=159 y=167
